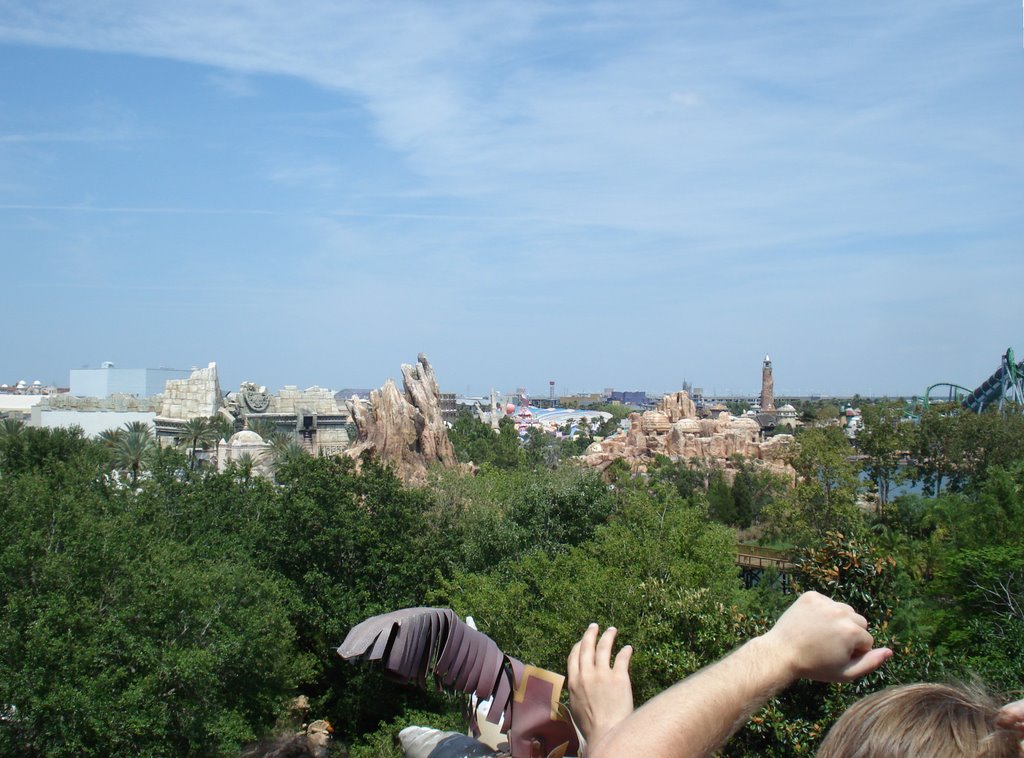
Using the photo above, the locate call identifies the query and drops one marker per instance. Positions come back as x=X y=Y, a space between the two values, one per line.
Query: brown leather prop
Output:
x=413 y=643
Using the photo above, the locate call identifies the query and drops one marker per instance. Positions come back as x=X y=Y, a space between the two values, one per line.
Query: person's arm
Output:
x=815 y=638
x=600 y=693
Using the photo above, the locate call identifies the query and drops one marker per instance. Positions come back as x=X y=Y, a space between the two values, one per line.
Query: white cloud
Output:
x=679 y=138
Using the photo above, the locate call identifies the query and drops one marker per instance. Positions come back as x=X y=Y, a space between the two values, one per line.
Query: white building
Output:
x=18 y=404
x=22 y=397
x=109 y=380
x=92 y=421
x=246 y=445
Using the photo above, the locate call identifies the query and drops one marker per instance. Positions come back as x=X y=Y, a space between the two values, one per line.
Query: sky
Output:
x=603 y=194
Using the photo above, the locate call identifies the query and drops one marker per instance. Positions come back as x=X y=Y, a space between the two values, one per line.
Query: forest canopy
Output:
x=157 y=607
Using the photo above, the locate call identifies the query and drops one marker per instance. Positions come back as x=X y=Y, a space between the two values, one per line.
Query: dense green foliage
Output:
x=177 y=614
x=659 y=569
x=152 y=606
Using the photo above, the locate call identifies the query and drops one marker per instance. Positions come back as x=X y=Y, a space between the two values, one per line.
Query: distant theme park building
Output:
x=310 y=417
x=105 y=398
x=109 y=380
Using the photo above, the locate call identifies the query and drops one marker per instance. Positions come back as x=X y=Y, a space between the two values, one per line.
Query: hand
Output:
x=600 y=693
x=1012 y=716
x=823 y=640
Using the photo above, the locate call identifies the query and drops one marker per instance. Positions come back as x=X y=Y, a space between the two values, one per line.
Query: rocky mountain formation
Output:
x=674 y=430
x=405 y=428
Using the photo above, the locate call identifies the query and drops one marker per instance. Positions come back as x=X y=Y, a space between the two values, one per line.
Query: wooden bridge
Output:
x=754 y=560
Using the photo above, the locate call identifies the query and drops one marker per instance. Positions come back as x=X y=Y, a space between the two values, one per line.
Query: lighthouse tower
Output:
x=767 y=386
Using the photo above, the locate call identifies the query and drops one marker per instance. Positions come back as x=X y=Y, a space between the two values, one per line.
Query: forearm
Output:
x=695 y=716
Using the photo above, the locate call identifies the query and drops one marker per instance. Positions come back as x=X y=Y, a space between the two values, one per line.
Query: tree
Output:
x=971 y=584
x=688 y=478
x=473 y=440
x=243 y=467
x=609 y=426
x=752 y=490
x=884 y=439
x=133 y=450
x=856 y=572
x=26 y=449
x=264 y=427
x=660 y=571
x=138 y=426
x=223 y=428
x=978 y=587
x=110 y=437
x=198 y=432
x=352 y=544
x=830 y=477
x=721 y=505
x=542 y=449
x=936 y=451
x=825 y=495
x=981 y=595
x=987 y=440
x=739 y=504
x=116 y=636
x=827 y=412
x=498 y=516
x=285 y=450
x=508 y=452
x=11 y=430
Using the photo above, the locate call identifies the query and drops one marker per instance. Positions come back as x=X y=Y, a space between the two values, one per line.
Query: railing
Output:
x=754 y=556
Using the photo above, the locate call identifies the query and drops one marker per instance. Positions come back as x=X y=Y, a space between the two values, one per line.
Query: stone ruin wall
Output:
x=313 y=400
x=118 y=402
x=197 y=396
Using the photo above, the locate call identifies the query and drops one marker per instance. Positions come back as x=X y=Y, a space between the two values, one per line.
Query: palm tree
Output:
x=11 y=429
x=243 y=467
x=133 y=449
x=110 y=437
x=284 y=450
x=197 y=432
x=139 y=426
x=264 y=427
x=222 y=426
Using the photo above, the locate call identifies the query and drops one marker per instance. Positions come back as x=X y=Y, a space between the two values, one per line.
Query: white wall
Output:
x=19 y=403
x=93 y=422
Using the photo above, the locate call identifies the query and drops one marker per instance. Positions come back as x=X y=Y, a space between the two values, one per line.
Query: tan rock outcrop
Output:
x=673 y=430
x=404 y=429
x=778 y=448
x=655 y=421
x=677 y=406
x=686 y=426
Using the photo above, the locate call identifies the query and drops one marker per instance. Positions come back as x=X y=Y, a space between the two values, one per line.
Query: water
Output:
x=897 y=487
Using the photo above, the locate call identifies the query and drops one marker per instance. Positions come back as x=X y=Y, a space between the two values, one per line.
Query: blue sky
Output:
x=606 y=194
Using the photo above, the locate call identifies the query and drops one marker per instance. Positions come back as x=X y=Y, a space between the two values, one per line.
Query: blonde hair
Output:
x=924 y=720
